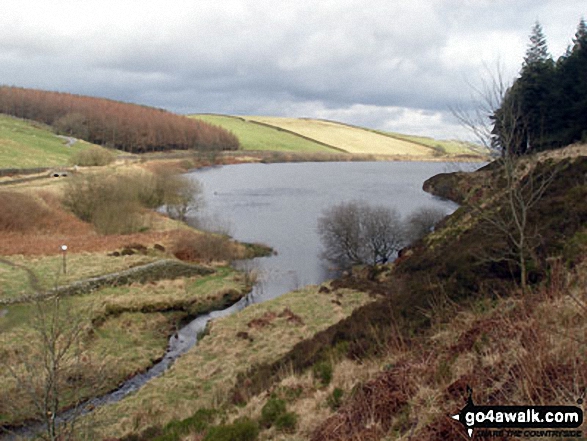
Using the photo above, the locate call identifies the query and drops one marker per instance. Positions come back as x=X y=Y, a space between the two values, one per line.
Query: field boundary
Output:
x=307 y=138
x=160 y=270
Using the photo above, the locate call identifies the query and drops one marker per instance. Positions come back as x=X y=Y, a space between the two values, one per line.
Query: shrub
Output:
x=422 y=221
x=354 y=233
x=334 y=400
x=110 y=203
x=20 y=212
x=287 y=422
x=241 y=430
x=203 y=247
x=272 y=410
x=323 y=372
x=114 y=203
x=197 y=423
x=93 y=156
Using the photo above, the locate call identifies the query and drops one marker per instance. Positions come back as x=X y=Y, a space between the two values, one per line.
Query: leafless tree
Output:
x=355 y=233
x=47 y=364
x=517 y=185
x=183 y=196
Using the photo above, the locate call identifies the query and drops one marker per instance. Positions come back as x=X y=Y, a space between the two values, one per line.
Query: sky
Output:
x=383 y=64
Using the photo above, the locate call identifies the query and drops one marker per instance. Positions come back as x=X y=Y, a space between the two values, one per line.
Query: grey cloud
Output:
x=254 y=57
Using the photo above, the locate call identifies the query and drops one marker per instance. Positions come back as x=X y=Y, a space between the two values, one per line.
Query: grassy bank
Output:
x=204 y=376
x=124 y=330
x=24 y=144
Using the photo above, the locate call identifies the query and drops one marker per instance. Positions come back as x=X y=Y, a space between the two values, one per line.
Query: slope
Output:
x=348 y=138
x=24 y=144
x=254 y=136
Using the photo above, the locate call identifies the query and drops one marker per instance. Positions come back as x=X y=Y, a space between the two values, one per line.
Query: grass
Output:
x=24 y=144
x=350 y=139
x=126 y=330
x=14 y=281
x=259 y=137
x=202 y=377
x=448 y=147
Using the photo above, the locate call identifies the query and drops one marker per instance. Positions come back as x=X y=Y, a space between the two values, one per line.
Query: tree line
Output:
x=123 y=126
x=546 y=107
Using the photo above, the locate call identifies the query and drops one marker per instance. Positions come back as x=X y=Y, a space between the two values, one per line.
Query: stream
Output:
x=279 y=204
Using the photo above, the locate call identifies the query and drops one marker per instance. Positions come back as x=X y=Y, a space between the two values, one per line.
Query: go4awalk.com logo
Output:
x=521 y=421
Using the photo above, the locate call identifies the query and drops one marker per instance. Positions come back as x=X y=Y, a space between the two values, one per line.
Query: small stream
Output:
x=278 y=204
x=179 y=344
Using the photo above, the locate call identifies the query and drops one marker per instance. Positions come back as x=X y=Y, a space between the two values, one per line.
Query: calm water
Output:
x=279 y=204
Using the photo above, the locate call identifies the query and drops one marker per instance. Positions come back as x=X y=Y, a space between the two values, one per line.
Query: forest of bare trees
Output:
x=128 y=127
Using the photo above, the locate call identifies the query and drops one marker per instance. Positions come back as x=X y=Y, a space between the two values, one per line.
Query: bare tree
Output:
x=182 y=197
x=355 y=233
x=518 y=185
x=48 y=362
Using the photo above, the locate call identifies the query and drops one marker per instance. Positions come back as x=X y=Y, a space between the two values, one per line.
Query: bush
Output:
x=334 y=400
x=193 y=247
x=93 y=156
x=323 y=372
x=422 y=221
x=241 y=430
x=114 y=203
x=272 y=410
x=287 y=422
x=110 y=203
x=20 y=212
x=354 y=233
x=197 y=423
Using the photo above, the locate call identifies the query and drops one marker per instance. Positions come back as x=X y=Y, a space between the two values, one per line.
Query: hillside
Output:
x=24 y=144
x=254 y=136
x=444 y=318
x=128 y=127
x=313 y=135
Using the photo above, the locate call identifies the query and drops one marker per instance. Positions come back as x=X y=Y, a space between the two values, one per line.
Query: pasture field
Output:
x=351 y=139
x=253 y=136
x=24 y=144
x=448 y=147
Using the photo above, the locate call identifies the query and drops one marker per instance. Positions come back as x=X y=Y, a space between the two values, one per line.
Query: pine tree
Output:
x=580 y=40
x=537 y=49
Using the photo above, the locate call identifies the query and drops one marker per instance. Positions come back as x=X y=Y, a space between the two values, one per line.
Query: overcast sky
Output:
x=386 y=64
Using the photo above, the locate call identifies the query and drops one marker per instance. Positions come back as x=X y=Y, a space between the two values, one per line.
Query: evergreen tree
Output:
x=537 y=49
x=580 y=40
x=546 y=107
x=573 y=79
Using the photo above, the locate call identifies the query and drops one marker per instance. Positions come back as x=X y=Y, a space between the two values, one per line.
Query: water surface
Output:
x=279 y=204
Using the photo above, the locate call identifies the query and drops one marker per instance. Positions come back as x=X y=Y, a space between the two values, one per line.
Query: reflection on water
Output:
x=279 y=204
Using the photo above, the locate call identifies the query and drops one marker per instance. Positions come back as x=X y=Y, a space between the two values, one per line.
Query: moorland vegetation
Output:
x=384 y=352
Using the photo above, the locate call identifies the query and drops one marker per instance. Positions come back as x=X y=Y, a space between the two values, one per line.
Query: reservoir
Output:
x=279 y=205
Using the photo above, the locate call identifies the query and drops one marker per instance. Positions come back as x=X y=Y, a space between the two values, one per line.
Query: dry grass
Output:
x=516 y=351
x=203 y=376
x=350 y=139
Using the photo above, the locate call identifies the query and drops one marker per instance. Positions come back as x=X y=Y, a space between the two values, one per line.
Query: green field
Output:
x=24 y=144
x=314 y=135
x=258 y=137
